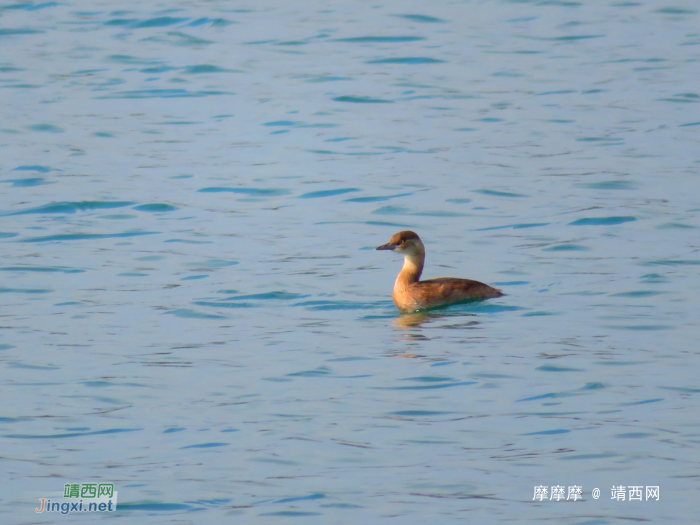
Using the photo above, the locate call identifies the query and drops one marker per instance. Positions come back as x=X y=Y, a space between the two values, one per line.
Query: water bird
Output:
x=411 y=294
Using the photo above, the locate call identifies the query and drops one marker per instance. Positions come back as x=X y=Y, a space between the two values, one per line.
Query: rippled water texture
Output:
x=193 y=309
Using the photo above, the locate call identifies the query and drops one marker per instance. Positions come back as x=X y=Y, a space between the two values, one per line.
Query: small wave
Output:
x=422 y=19
x=379 y=39
x=72 y=207
x=84 y=236
x=602 y=221
x=406 y=60
x=326 y=193
x=161 y=21
x=256 y=192
x=362 y=100
x=155 y=208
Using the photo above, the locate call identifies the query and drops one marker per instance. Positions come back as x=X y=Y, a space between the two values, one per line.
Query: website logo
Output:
x=81 y=497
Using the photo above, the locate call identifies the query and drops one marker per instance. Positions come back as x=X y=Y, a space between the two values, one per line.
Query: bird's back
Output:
x=441 y=292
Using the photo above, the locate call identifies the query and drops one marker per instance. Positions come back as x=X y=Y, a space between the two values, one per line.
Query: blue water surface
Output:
x=193 y=310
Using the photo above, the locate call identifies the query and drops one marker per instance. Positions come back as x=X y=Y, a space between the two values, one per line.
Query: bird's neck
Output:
x=412 y=268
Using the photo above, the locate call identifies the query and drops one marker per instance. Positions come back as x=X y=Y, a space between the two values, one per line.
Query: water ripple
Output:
x=362 y=100
x=85 y=236
x=406 y=60
x=380 y=39
x=71 y=434
x=72 y=207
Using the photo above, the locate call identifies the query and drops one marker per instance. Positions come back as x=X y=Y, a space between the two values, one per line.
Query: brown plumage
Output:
x=411 y=294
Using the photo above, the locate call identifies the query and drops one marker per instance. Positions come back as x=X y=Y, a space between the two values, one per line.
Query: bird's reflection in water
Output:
x=411 y=327
x=412 y=320
x=423 y=319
